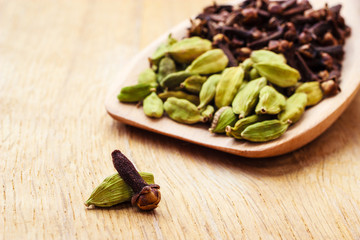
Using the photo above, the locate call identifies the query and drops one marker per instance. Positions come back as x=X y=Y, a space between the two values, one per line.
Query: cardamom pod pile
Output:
x=254 y=98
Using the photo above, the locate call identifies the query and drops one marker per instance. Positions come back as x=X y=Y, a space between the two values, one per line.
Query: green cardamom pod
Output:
x=313 y=92
x=208 y=89
x=188 y=49
x=294 y=108
x=193 y=83
x=229 y=83
x=113 y=190
x=212 y=61
x=241 y=124
x=247 y=98
x=174 y=80
x=183 y=111
x=147 y=76
x=258 y=56
x=136 y=92
x=222 y=118
x=279 y=74
x=254 y=74
x=179 y=94
x=153 y=106
x=270 y=101
x=162 y=50
x=166 y=66
x=208 y=112
x=264 y=131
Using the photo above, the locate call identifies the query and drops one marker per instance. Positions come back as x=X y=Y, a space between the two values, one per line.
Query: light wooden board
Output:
x=57 y=61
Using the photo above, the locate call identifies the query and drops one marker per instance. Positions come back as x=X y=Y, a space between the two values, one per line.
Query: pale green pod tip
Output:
x=226 y=89
x=247 y=97
x=113 y=190
x=313 y=92
x=258 y=56
x=294 y=108
x=207 y=91
x=264 y=131
x=147 y=76
x=222 y=118
x=188 y=49
x=277 y=73
x=211 y=61
x=183 y=111
x=153 y=106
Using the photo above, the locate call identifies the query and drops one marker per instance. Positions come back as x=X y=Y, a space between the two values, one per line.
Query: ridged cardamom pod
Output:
x=208 y=112
x=222 y=118
x=258 y=56
x=186 y=50
x=193 y=83
x=294 y=108
x=247 y=97
x=153 y=106
x=179 y=94
x=264 y=131
x=166 y=66
x=212 y=61
x=162 y=50
x=208 y=89
x=183 y=111
x=254 y=74
x=174 y=80
x=136 y=92
x=113 y=190
x=313 y=92
x=279 y=74
x=241 y=124
x=147 y=76
x=270 y=101
x=229 y=83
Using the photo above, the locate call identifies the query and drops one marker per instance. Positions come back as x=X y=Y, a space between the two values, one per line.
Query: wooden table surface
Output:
x=57 y=61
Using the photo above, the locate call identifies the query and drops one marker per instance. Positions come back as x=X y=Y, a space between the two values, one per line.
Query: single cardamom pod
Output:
x=270 y=101
x=241 y=124
x=258 y=56
x=279 y=74
x=174 y=80
x=212 y=61
x=247 y=98
x=229 y=83
x=208 y=112
x=294 y=108
x=166 y=66
x=162 y=50
x=179 y=94
x=254 y=74
x=113 y=190
x=147 y=76
x=193 y=83
x=313 y=92
x=188 y=49
x=153 y=106
x=136 y=92
x=264 y=131
x=208 y=89
x=183 y=111
x=222 y=118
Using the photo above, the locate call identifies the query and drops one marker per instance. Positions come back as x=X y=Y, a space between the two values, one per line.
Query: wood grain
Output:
x=57 y=61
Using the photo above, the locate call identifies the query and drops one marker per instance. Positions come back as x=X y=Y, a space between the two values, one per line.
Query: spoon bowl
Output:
x=314 y=121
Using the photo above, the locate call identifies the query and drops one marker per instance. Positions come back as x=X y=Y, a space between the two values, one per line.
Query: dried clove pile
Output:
x=311 y=40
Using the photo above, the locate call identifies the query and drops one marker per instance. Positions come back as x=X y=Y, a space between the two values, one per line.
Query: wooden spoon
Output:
x=314 y=122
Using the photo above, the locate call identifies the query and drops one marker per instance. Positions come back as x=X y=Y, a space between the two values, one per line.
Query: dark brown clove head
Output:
x=148 y=198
